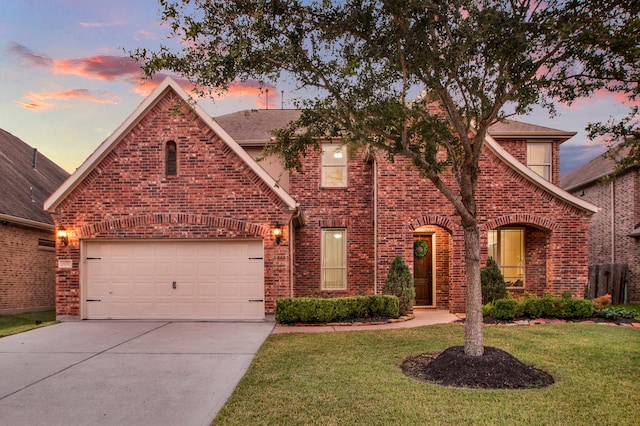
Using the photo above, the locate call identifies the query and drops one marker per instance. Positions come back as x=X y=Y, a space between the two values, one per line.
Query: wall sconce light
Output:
x=63 y=237
x=277 y=233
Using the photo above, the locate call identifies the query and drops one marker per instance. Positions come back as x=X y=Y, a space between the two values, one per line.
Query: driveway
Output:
x=124 y=373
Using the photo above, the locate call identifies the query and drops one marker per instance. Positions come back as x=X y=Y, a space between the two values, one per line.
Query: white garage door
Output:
x=208 y=280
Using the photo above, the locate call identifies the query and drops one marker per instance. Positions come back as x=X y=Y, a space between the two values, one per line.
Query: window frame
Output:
x=170 y=164
x=323 y=258
x=343 y=164
x=545 y=165
x=498 y=254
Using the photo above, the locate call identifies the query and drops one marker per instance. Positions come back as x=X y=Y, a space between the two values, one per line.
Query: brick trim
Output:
x=521 y=218
x=174 y=218
x=441 y=221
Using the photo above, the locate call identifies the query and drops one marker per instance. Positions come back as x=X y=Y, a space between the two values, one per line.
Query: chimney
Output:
x=34 y=159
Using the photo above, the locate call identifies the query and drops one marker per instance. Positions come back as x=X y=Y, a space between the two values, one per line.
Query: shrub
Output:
x=565 y=308
x=487 y=309
x=602 y=302
x=492 y=282
x=530 y=306
x=291 y=310
x=614 y=313
x=399 y=282
x=504 y=309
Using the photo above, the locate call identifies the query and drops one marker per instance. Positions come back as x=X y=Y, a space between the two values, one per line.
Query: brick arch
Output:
x=434 y=219
x=521 y=218
x=174 y=218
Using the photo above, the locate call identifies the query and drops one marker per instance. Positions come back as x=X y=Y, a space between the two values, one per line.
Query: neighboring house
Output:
x=172 y=217
x=27 y=239
x=614 y=232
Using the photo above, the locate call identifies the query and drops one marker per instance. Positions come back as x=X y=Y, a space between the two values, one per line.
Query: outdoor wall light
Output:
x=277 y=233
x=63 y=237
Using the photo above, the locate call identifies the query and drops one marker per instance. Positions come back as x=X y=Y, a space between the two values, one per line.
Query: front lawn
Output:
x=353 y=377
x=12 y=324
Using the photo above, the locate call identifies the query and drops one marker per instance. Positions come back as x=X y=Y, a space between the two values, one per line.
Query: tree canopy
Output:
x=380 y=66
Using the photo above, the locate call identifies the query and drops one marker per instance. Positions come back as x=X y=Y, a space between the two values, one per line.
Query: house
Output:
x=173 y=217
x=614 y=231
x=27 y=240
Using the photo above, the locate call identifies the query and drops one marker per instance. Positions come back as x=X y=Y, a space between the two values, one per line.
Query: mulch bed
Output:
x=496 y=369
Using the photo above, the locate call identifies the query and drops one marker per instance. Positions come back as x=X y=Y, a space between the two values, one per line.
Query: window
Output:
x=539 y=158
x=171 y=159
x=334 y=259
x=334 y=166
x=506 y=246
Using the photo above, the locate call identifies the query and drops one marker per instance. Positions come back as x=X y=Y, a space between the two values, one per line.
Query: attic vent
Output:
x=34 y=158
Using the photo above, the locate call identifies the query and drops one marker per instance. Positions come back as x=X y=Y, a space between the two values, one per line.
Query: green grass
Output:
x=12 y=324
x=353 y=378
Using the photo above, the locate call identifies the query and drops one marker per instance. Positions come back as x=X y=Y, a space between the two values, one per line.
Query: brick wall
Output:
x=214 y=195
x=349 y=208
x=626 y=215
x=27 y=281
x=556 y=233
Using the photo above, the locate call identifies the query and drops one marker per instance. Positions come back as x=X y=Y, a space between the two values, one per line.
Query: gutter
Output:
x=26 y=222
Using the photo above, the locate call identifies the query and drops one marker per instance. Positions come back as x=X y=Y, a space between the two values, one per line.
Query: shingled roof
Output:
x=27 y=178
x=596 y=169
x=254 y=127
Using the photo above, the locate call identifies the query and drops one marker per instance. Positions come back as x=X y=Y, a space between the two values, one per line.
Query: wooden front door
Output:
x=423 y=272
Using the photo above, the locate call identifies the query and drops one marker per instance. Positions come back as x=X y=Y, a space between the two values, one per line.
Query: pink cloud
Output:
x=146 y=34
x=100 y=24
x=111 y=68
x=37 y=100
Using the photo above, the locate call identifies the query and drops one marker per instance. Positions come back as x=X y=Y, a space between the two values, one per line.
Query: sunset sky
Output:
x=67 y=81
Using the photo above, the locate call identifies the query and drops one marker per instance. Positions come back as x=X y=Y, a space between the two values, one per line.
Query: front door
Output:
x=423 y=270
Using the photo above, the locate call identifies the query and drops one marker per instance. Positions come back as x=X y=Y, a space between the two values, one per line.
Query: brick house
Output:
x=27 y=239
x=173 y=217
x=614 y=231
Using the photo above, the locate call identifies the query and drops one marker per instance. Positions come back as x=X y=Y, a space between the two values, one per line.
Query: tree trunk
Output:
x=473 y=333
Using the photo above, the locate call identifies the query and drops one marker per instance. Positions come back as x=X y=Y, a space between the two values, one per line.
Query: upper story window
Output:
x=506 y=246
x=539 y=158
x=171 y=158
x=334 y=166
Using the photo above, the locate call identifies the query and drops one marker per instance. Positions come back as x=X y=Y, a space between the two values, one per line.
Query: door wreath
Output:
x=420 y=248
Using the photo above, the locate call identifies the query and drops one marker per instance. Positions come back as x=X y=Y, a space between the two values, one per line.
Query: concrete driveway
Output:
x=124 y=373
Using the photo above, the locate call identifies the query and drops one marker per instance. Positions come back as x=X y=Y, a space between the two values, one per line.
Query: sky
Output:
x=67 y=80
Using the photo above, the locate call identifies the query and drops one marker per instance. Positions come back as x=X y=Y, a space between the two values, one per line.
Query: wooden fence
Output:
x=608 y=278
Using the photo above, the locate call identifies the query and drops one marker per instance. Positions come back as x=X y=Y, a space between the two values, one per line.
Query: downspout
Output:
x=291 y=251
x=613 y=222
x=375 y=226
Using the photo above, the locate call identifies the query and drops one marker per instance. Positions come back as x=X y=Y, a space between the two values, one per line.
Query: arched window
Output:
x=171 y=158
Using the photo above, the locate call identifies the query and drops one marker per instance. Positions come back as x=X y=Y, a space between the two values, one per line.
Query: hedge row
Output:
x=547 y=307
x=292 y=310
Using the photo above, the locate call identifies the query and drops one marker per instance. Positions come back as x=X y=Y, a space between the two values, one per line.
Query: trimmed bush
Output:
x=572 y=308
x=530 y=307
x=492 y=281
x=504 y=309
x=290 y=310
x=399 y=282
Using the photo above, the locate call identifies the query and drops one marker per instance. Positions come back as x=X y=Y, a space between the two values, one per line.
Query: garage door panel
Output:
x=214 y=280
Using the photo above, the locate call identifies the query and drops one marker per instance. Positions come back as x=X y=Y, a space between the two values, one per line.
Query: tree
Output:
x=399 y=282
x=478 y=61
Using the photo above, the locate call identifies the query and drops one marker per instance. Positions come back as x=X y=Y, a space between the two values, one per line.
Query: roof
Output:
x=596 y=169
x=512 y=128
x=25 y=187
x=535 y=178
x=254 y=127
x=147 y=104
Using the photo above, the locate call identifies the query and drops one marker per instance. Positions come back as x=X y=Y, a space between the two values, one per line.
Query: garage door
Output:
x=209 y=280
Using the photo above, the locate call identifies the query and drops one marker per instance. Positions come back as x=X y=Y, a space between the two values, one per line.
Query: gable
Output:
x=133 y=127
